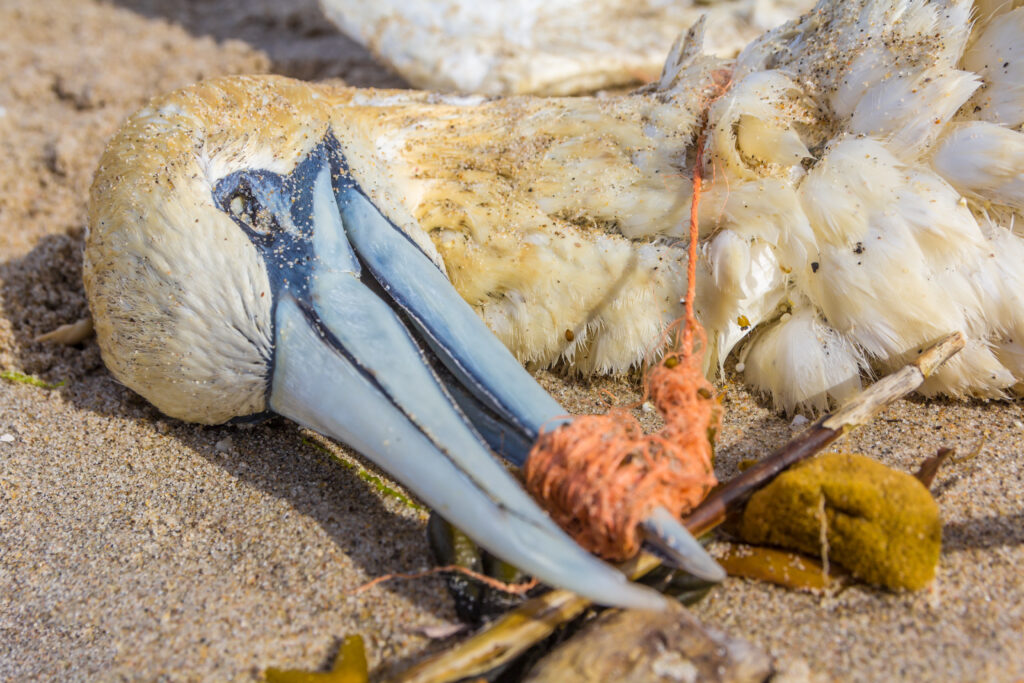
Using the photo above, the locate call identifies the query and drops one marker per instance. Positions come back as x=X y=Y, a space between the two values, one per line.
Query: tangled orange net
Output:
x=599 y=476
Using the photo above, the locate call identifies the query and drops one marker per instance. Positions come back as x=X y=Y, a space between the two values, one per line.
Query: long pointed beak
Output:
x=492 y=380
x=392 y=409
x=346 y=366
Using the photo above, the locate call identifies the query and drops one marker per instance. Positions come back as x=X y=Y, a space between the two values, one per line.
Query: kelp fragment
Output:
x=781 y=567
x=349 y=667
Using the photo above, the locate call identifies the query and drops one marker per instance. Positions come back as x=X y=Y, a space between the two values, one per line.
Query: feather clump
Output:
x=871 y=155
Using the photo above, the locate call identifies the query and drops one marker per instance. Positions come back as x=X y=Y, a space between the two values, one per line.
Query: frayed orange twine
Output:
x=600 y=476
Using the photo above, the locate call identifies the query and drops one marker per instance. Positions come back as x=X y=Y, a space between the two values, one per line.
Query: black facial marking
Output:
x=276 y=213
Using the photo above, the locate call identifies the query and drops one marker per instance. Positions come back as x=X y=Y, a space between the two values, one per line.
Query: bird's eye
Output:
x=245 y=208
x=238 y=205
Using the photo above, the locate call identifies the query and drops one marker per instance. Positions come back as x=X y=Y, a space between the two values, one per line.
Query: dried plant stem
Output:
x=512 y=634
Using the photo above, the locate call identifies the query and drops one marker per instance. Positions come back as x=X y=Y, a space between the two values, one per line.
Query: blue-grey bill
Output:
x=369 y=387
x=346 y=366
x=679 y=548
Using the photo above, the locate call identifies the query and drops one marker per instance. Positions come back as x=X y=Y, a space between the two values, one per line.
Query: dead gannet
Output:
x=554 y=47
x=865 y=162
x=237 y=263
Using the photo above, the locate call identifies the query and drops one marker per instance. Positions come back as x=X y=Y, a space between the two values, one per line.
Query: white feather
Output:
x=984 y=160
x=729 y=257
x=766 y=103
x=801 y=362
x=744 y=287
x=767 y=209
x=997 y=56
x=909 y=112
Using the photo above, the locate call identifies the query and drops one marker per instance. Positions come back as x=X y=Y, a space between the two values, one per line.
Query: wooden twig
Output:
x=537 y=618
x=858 y=411
x=512 y=634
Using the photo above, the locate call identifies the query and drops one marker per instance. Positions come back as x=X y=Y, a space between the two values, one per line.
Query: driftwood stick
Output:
x=512 y=634
x=858 y=411
x=537 y=618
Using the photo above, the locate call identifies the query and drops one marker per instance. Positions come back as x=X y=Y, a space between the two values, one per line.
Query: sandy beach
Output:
x=136 y=547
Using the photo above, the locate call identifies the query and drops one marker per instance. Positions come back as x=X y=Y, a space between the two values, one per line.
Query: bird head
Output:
x=236 y=266
x=179 y=289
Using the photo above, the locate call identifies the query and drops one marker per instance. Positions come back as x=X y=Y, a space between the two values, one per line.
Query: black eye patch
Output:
x=254 y=200
x=276 y=213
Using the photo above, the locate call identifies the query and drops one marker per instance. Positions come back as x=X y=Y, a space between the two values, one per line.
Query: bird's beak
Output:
x=347 y=365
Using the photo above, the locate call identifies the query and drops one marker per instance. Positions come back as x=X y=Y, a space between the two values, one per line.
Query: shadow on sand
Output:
x=43 y=289
x=299 y=40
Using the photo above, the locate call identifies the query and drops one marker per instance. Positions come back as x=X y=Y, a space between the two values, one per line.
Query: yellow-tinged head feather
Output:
x=844 y=167
x=179 y=295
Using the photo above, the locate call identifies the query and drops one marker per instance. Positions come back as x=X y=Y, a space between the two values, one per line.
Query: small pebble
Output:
x=798 y=421
x=7 y=438
x=225 y=445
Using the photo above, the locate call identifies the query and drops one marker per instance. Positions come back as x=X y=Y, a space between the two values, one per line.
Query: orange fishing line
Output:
x=599 y=476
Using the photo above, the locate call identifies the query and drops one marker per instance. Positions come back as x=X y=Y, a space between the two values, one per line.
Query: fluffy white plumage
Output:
x=984 y=161
x=864 y=198
x=898 y=225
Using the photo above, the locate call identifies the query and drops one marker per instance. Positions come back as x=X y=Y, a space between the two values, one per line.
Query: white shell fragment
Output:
x=549 y=47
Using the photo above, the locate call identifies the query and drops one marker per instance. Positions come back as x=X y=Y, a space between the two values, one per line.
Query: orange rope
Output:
x=599 y=476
